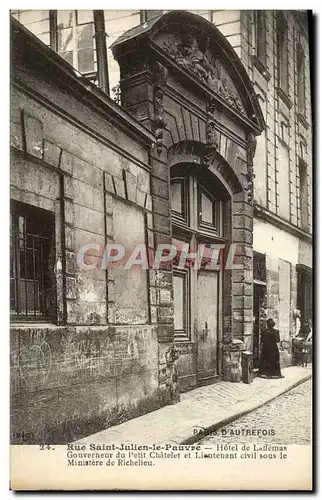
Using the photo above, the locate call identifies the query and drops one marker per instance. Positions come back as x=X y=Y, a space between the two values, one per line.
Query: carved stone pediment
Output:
x=185 y=42
x=194 y=52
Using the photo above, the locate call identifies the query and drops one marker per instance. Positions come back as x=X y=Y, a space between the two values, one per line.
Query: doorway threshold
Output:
x=209 y=380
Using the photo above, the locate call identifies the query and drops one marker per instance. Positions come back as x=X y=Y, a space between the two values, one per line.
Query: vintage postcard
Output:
x=161 y=250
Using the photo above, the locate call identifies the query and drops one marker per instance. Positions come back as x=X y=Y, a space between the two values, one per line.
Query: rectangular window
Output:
x=303 y=194
x=32 y=279
x=300 y=75
x=208 y=210
x=180 y=304
x=76 y=40
x=179 y=199
x=283 y=180
x=259 y=35
x=259 y=267
x=71 y=33
x=282 y=52
x=284 y=132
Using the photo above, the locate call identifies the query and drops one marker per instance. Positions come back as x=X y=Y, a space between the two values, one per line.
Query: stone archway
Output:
x=182 y=79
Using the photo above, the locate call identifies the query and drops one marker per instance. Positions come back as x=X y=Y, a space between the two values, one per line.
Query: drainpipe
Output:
x=101 y=51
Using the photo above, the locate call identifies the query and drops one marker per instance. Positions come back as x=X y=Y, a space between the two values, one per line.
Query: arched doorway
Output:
x=200 y=215
x=182 y=79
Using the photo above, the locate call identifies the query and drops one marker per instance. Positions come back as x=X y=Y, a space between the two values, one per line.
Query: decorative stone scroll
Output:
x=212 y=139
x=191 y=51
x=250 y=176
x=159 y=123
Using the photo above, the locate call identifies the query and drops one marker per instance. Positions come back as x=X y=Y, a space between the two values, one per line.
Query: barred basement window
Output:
x=32 y=252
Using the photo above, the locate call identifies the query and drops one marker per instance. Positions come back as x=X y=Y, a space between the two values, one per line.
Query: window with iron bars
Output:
x=32 y=258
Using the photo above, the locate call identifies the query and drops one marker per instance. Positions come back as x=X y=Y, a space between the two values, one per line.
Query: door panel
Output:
x=207 y=326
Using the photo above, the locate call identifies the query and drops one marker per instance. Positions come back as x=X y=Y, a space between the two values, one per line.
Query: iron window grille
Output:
x=32 y=252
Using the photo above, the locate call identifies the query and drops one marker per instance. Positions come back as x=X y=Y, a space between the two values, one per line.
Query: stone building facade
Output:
x=274 y=48
x=176 y=155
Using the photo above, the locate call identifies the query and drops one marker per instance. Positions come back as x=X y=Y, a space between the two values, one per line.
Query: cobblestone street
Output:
x=289 y=415
x=216 y=405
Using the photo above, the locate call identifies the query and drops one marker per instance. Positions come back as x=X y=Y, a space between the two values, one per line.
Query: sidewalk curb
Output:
x=222 y=423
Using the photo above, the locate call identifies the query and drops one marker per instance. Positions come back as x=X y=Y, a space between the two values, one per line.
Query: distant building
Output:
x=207 y=140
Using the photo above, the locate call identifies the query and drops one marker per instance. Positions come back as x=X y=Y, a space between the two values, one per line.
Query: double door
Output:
x=197 y=224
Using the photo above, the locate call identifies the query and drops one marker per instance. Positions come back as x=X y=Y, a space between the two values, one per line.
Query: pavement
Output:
x=200 y=411
x=289 y=415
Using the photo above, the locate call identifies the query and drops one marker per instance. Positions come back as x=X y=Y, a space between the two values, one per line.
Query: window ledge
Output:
x=284 y=143
x=264 y=214
x=183 y=342
x=262 y=68
x=285 y=98
x=25 y=325
x=302 y=119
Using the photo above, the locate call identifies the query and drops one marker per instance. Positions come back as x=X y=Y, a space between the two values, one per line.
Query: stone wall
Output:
x=68 y=382
x=81 y=157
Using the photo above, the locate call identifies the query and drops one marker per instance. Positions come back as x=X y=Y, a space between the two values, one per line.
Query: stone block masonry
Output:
x=97 y=364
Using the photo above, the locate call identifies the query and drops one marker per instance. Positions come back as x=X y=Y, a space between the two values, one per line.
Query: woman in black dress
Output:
x=269 y=366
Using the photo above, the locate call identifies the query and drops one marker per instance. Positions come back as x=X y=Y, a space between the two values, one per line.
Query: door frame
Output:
x=188 y=227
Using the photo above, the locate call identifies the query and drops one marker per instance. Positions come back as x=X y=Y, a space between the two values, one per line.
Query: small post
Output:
x=247 y=367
